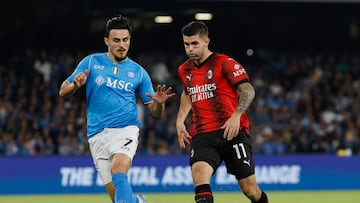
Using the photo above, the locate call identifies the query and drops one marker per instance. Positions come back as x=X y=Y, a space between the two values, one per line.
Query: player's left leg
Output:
x=251 y=190
x=140 y=198
x=122 y=188
x=239 y=162
x=122 y=144
x=137 y=198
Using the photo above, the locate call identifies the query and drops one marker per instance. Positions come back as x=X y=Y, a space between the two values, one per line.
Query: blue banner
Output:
x=52 y=175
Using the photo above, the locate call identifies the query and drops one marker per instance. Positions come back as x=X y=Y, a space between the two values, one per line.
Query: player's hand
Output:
x=80 y=79
x=231 y=126
x=183 y=135
x=162 y=94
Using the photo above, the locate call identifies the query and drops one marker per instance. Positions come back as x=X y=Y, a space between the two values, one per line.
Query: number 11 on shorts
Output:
x=237 y=148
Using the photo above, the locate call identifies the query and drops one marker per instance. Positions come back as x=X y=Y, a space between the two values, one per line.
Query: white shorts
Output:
x=111 y=141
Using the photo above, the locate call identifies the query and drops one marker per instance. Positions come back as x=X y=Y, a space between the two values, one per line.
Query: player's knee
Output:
x=203 y=194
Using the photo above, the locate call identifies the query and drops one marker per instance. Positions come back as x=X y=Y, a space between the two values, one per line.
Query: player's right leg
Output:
x=102 y=162
x=204 y=160
x=110 y=190
x=201 y=173
x=107 y=145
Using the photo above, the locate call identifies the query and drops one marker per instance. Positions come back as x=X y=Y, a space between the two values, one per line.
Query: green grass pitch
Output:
x=220 y=197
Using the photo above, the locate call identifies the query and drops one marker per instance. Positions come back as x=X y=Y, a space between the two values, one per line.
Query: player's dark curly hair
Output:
x=194 y=28
x=117 y=22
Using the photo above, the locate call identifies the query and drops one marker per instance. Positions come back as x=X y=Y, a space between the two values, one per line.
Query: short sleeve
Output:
x=81 y=67
x=234 y=71
x=146 y=86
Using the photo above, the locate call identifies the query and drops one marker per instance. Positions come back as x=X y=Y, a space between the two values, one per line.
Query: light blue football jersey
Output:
x=111 y=90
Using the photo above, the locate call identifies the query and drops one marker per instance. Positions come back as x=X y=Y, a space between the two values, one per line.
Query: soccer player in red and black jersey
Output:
x=217 y=91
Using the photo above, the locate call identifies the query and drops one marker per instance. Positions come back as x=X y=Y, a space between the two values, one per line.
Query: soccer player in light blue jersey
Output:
x=113 y=81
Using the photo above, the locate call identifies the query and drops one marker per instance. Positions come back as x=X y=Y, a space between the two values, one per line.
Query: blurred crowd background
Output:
x=305 y=68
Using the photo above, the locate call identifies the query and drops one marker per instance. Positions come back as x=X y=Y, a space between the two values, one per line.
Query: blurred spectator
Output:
x=159 y=71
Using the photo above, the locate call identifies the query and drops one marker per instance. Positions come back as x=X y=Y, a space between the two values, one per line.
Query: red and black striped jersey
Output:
x=212 y=87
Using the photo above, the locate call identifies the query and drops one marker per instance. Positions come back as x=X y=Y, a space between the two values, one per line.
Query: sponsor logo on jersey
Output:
x=114 y=83
x=201 y=92
x=100 y=67
x=99 y=80
x=239 y=70
x=119 y=84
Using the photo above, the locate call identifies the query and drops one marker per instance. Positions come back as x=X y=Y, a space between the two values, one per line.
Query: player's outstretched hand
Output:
x=162 y=94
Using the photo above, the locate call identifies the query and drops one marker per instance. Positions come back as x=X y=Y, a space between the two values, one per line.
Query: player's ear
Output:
x=207 y=40
x=106 y=41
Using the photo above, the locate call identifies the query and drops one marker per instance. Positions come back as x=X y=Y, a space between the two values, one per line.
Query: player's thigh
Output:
x=100 y=156
x=238 y=157
x=109 y=142
x=123 y=141
x=204 y=149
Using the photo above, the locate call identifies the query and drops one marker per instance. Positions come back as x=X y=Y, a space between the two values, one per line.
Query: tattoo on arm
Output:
x=246 y=94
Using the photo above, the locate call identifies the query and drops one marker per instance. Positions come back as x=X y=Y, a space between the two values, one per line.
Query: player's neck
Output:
x=115 y=59
x=205 y=56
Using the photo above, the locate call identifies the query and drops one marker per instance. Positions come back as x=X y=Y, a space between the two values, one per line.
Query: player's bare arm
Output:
x=161 y=95
x=184 y=109
x=246 y=95
x=68 y=88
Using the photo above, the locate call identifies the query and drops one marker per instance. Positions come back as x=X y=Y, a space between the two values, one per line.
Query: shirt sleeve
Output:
x=146 y=86
x=81 y=67
x=181 y=75
x=234 y=72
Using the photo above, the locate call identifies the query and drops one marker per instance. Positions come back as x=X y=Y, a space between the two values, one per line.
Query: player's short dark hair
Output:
x=117 y=22
x=194 y=28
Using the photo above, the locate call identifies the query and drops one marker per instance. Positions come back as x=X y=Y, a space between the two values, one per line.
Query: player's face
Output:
x=118 y=44
x=195 y=47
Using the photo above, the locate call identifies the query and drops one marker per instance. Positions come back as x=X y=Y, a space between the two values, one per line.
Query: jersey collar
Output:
x=205 y=61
